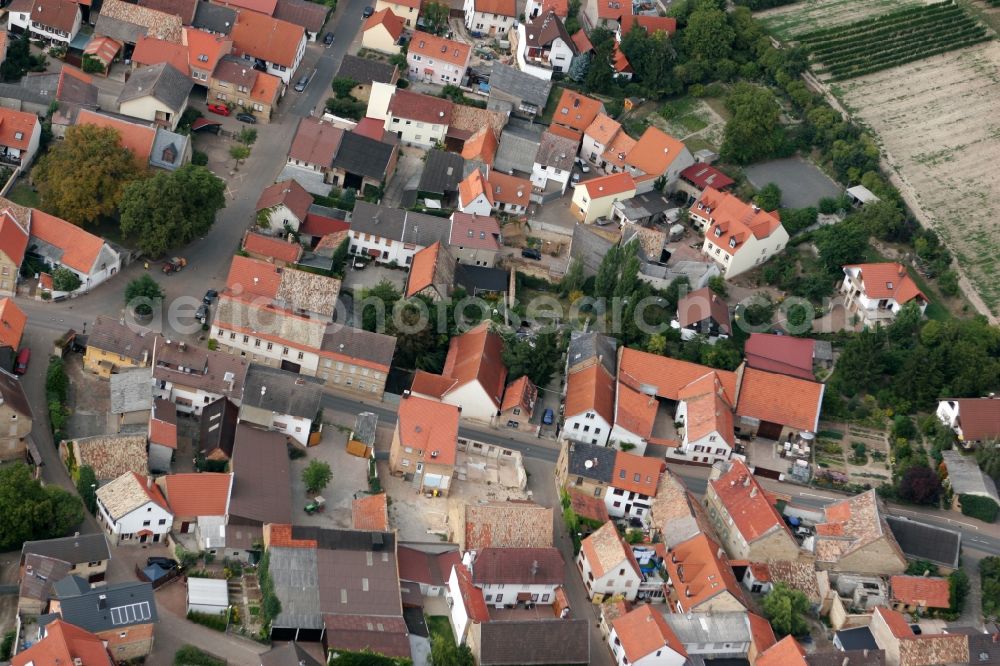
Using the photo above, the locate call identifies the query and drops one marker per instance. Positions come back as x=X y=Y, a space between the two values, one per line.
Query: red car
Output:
x=21 y=363
x=220 y=109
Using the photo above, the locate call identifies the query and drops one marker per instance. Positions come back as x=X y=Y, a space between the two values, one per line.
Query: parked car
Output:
x=246 y=118
x=303 y=81
x=328 y=38
x=531 y=253
x=582 y=163
x=202 y=313
x=368 y=11
x=210 y=296
x=576 y=177
x=174 y=265
x=220 y=109
x=21 y=363
x=548 y=417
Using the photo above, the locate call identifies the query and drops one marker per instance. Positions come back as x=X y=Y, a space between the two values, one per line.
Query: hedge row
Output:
x=977 y=506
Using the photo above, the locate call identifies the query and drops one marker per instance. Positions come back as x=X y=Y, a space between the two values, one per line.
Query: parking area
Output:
x=357 y=280
x=802 y=183
x=350 y=476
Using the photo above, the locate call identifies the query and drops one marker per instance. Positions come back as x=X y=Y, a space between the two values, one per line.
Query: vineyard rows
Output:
x=892 y=39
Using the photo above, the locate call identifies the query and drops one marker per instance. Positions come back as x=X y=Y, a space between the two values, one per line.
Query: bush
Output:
x=829 y=205
x=976 y=506
x=189 y=655
x=217 y=622
x=199 y=158
x=989 y=572
x=7 y=647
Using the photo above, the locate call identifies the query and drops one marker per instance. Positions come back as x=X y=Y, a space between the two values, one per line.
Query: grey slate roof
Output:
x=716 y=627
x=122 y=31
x=72 y=549
x=517 y=84
x=109 y=607
x=382 y=221
x=966 y=477
x=132 y=391
x=364 y=156
x=476 y=279
x=40 y=573
x=214 y=18
x=442 y=172
x=365 y=70
x=584 y=346
x=360 y=344
x=282 y=392
x=289 y=654
x=601 y=459
x=921 y=541
x=111 y=335
x=644 y=205
x=162 y=81
x=164 y=139
x=12 y=392
x=365 y=426
x=518 y=146
x=426 y=230
x=858 y=638
x=261 y=480
x=526 y=642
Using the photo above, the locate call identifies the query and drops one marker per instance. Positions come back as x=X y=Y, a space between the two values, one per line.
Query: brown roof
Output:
x=423 y=567
x=266 y=38
x=183 y=8
x=315 y=142
x=265 y=7
x=790 y=401
x=472 y=119
x=13 y=394
x=674 y=505
x=605 y=550
x=475 y=231
x=261 y=490
x=932 y=650
x=59 y=14
x=703 y=304
x=158 y=24
x=851 y=524
x=440 y=48
x=524 y=566
x=785 y=354
x=287 y=192
x=309 y=15
x=797 y=575
x=748 y=505
x=270 y=246
x=205 y=494
x=510 y=524
x=163 y=424
x=112 y=336
x=210 y=371
x=422 y=108
x=587 y=506
x=472 y=596
x=544 y=29
x=520 y=393
x=370 y=512
x=979 y=418
x=110 y=456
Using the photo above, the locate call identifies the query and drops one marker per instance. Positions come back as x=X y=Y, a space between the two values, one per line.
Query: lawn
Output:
x=23 y=195
x=440 y=625
x=550 y=106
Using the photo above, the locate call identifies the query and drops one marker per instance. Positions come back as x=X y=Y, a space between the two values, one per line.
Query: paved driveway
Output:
x=802 y=183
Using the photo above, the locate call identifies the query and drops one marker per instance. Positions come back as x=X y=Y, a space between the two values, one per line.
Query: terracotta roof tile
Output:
x=612 y=9
x=14 y=220
x=510 y=524
x=387 y=19
x=422 y=108
x=708 y=409
x=581 y=41
x=12 y=322
x=703 y=175
x=887 y=280
x=563 y=132
x=895 y=622
x=605 y=550
x=481 y=146
x=790 y=401
x=422 y=269
x=603 y=129
x=265 y=7
x=732 y=218
x=591 y=389
x=163 y=424
x=576 y=111
x=635 y=411
x=921 y=591
x=932 y=650
x=152 y=51
x=617 y=152
x=747 y=503
x=703 y=304
x=267 y=38
x=158 y=24
x=16 y=127
x=481 y=232
x=287 y=192
x=370 y=512
x=137 y=138
x=558 y=7
x=784 y=354
x=472 y=186
x=701 y=571
x=851 y=524
x=472 y=596
x=428 y=383
x=654 y=152
x=498 y=7
x=253 y=277
x=614 y=184
x=477 y=355
x=204 y=494
x=786 y=652
x=651 y=24
x=64 y=643
x=637 y=474
x=315 y=142
x=761 y=632
x=520 y=393
x=644 y=631
x=128 y=492
x=113 y=455
x=667 y=376
x=59 y=14
x=797 y=575
x=509 y=189
x=979 y=418
x=270 y=246
x=80 y=248
x=587 y=506
x=439 y=48
x=527 y=566
x=619 y=61
x=430 y=427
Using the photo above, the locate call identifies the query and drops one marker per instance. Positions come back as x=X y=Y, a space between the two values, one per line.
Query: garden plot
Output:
x=801 y=17
x=937 y=125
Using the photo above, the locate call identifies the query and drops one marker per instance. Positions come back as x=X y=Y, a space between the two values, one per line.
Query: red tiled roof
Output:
x=887 y=280
x=701 y=305
x=921 y=591
x=428 y=568
x=373 y=128
x=427 y=383
x=612 y=9
x=477 y=355
x=287 y=192
x=387 y=19
x=576 y=111
x=439 y=48
x=429 y=426
x=565 y=132
x=784 y=354
x=281 y=536
x=896 y=623
x=635 y=411
x=103 y=48
x=705 y=175
x=651 y=24
x=666 y=375
x=542 y=566
x=265 y=88
x=604 y=549
x=16 y=127
x=520 y=393
x=480 y=232
x=472 y=596
x=610 y=185
x=152 y=51
x=422 y=108
x=267 y=38
x=261 y=6
x=644 y=631
x=270 y=246
x=747 y=504
x=204 y=494
x=12 y=322
x=63 y=644
x=620 y=61
x=315 y=142
x=80 y=248
x=761 y=632
x=587 y=506
x=253 y=277
x=558 y=7
x=733 y=219
x=581 y=41
x=370 y=512
x=498 y=7
x=59 y=14
x=13 y=231
x=591 y=389
x=472 y=186
x=204 y=48
x=786 y=652
x=163 y=424
x=321 y=225
x=481 y=146
x=705 y=572
x=654 y=152
x=137 y=138
x=790 y=401
x=509 y=189
x=709 y=409
x=603 y=129
x=979 y=418
x=422 y=269
x=637 y=474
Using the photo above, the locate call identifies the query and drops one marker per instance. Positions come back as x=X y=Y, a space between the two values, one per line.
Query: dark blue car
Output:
x=548 y=416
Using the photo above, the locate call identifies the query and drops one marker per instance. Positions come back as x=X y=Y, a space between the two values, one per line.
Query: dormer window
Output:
x=718 y=232
x=202 y=58
x=732 y=242
x=888 y=285
x=18 y=135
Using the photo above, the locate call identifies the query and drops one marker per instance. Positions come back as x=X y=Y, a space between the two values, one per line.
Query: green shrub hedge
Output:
x=975 y=506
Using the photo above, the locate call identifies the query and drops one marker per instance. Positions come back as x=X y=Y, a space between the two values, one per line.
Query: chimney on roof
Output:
x=149 y=481
x=753 y=492
x=719 y=554
x=746 y=480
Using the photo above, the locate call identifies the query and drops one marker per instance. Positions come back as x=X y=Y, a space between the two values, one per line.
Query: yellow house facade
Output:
x=594 y=198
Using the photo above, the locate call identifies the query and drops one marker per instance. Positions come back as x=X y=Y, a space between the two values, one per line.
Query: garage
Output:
x=207 y=595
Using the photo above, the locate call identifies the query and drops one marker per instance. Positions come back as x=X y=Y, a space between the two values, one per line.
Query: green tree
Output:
x=988 y=458
x=171 y=209
x=146 y=289
x=769 y=197
x=607 y=273
x=882 y=219
x=345 y=107
x=83 y=177
x=573 y=279
x=86 y=485
x=754 y=130
x=840 y=245
x=247 y=136
x=717 y=284
x=377 y=304
x=339 y=258
x=652 y=58
x=435 y=16
x=958 y=590
x=239 y=152
x=600 y=72
x=31 y=511
x=444 y=652
x=343 y=87
x=539 y=358
x=708 y=35
x=786 y=609
x=316 y=476
x=989 y=572
x=63 y=279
